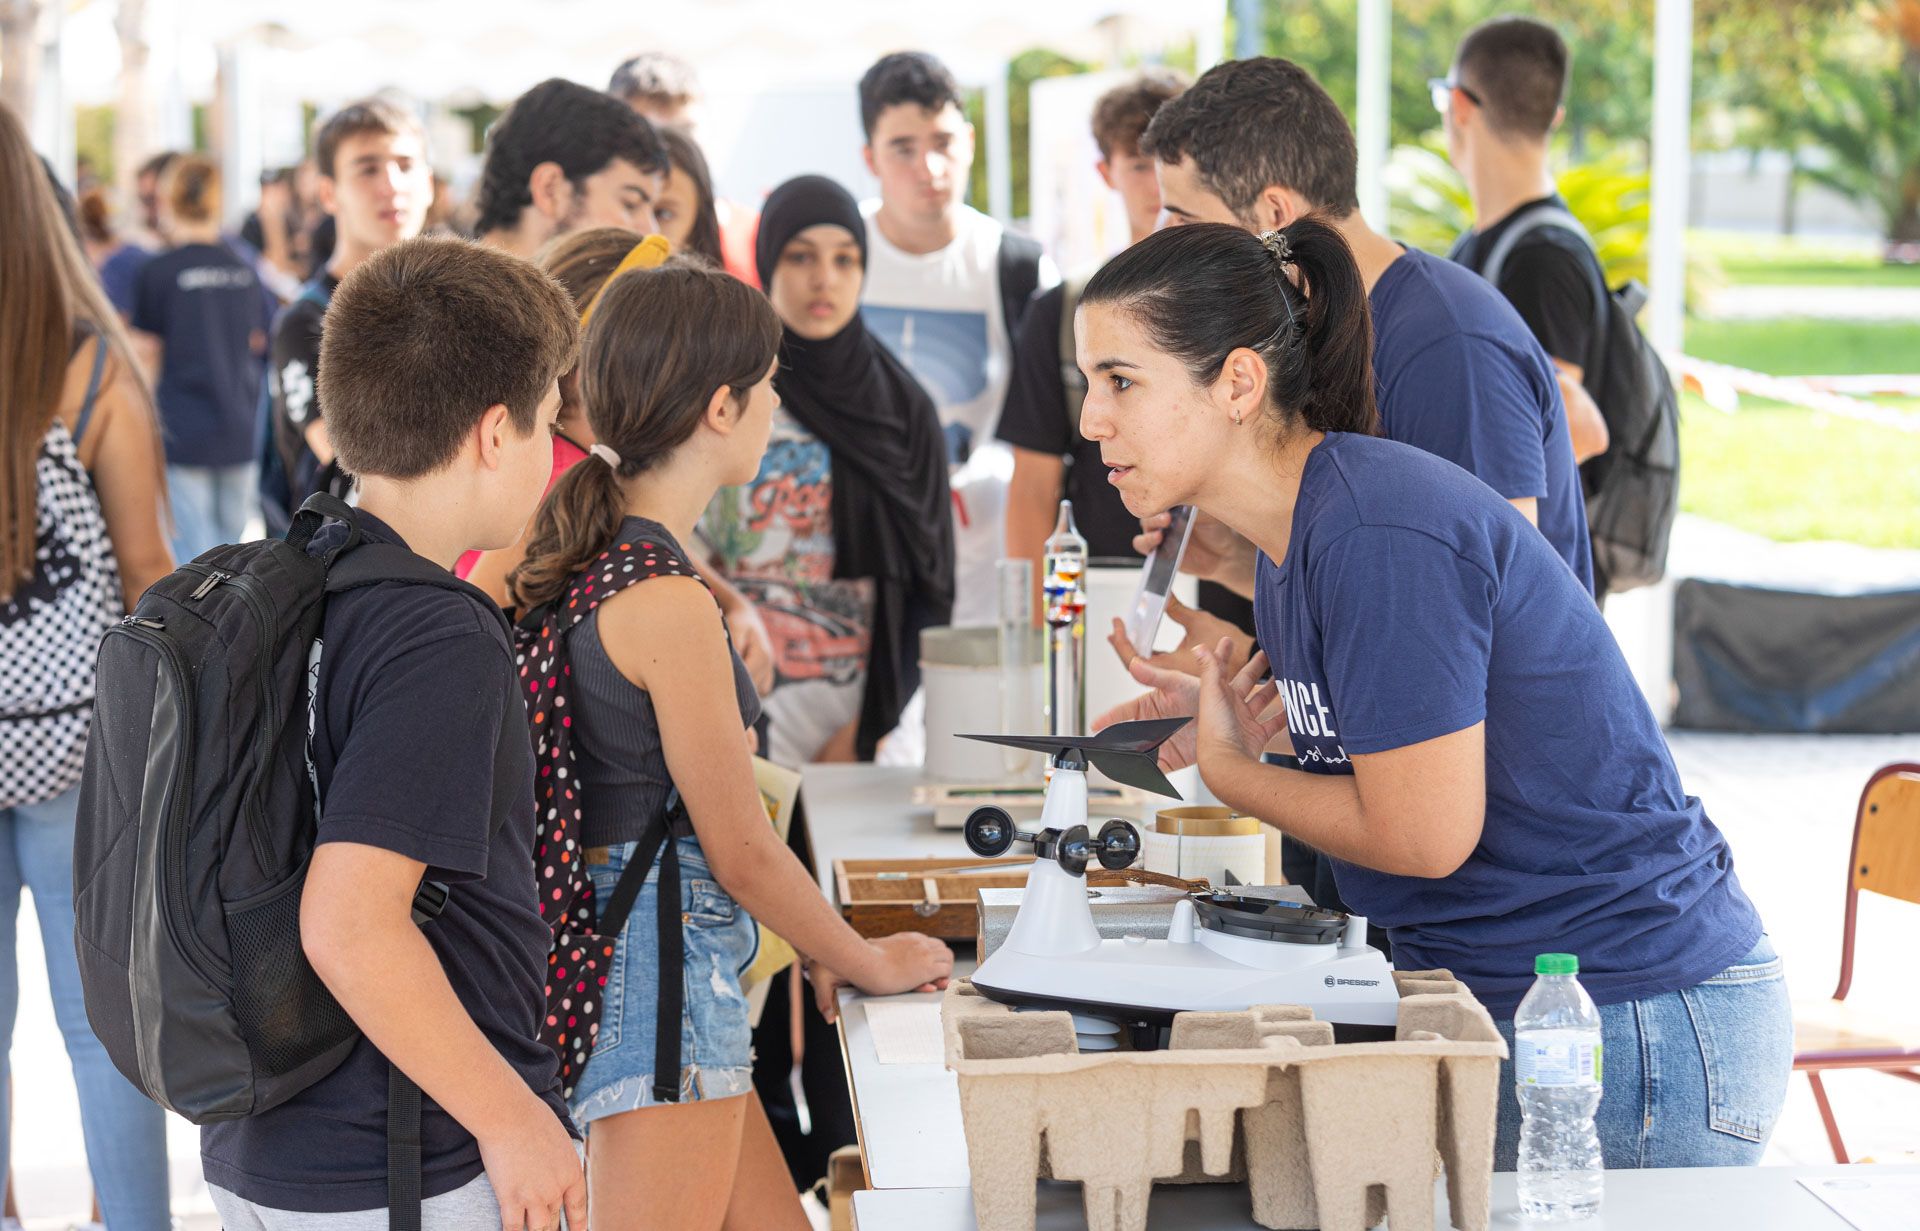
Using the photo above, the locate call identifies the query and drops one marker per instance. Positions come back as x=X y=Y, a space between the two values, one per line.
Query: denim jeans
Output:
x=1693 y=1078
x=211 y=505
x=716 y=1042
x=125 y=1131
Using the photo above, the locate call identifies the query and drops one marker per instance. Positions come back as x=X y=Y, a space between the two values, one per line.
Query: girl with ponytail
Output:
x=583 y=262
x=1467 y=743
x=643 y=711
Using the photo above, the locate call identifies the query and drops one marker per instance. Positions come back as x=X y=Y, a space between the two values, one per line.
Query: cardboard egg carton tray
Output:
x=1325 y=1135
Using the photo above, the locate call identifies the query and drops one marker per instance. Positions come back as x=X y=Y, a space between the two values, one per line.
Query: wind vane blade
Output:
x=1126 y=751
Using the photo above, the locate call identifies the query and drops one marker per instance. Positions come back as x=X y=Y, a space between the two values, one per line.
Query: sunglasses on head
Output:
x=1443 y=88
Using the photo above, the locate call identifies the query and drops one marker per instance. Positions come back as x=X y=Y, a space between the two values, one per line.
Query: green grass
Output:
x=1794 y=475
x=1776 y=261
x=1806 y=347
x=1785 y=472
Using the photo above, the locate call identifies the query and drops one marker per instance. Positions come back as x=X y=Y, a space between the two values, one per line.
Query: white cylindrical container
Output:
x=1204 y=842
x=960 y=671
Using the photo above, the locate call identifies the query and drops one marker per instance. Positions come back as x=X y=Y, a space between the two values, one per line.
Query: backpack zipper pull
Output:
x=214 y=578
x=134 y=621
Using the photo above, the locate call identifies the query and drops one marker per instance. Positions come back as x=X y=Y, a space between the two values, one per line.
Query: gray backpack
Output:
x=1633 y=488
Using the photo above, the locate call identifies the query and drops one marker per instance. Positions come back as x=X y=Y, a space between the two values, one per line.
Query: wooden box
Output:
x=940 y=897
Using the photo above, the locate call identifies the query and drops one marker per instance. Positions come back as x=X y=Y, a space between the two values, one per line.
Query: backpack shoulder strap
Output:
x=1542 y=218
x=1533 y=220
x=1019 y=262
x=1072 y=379
x=371 y=563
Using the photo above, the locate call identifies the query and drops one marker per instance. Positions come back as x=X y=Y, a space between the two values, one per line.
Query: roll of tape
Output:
x=1192 y=857
x=1205 y=822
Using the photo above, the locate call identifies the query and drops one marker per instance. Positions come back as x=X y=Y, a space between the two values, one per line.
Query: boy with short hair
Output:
x=946 y=288
x=1501 y=103
x=441 y=361
x=376 y=183
x=564 y=157
x=1259 y=143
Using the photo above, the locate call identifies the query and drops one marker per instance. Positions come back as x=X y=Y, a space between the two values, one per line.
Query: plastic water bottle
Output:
x=1557 y=1076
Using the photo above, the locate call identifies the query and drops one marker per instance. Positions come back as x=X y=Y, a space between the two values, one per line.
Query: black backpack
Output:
x=1018 y=264
x=196 y=823
x=1633 y=488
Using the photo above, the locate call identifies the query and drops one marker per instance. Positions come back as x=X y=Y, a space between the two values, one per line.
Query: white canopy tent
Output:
x=264 y=58
x=778 y=76
x=271 y=55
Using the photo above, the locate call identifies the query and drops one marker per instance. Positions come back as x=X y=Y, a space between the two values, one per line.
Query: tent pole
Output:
x=1247 y=29
x=1672 y=134
x=1375 y=107
x=999 y=146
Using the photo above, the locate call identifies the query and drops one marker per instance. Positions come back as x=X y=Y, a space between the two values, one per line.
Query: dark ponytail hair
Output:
x=1205 y=290
x=660 y=342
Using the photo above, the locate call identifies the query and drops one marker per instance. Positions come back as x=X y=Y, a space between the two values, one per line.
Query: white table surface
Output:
x=867 y=812
x=1706 y=1199
x=908 y=1114
x=916 y=1152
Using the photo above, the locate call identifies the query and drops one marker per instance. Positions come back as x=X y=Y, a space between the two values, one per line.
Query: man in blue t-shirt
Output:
x=1457 y=372
x=1258 y=143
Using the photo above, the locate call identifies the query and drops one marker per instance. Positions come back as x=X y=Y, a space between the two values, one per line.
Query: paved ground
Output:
x=1856 y=303
x=1785 y=802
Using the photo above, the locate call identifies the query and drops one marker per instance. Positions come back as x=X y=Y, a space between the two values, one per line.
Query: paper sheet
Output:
x=906 y=1032
x=1871 y=1202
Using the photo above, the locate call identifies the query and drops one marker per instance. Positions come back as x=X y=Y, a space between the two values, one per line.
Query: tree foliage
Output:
x=1611 y=40
x=1842 y=76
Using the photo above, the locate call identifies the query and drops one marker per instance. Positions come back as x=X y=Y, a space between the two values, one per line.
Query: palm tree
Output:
x=1867 y=117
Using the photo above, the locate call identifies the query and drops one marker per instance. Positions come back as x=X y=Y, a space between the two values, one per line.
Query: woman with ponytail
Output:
x=1463 y=736
x=654 y=710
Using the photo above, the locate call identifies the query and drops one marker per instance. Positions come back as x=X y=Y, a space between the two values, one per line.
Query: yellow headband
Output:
x=649 y=253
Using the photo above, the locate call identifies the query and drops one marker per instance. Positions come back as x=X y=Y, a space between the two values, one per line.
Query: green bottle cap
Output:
x=1556 y=964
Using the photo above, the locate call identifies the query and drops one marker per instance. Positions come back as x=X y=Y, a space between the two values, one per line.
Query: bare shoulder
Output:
x=120 y=398
x=661 y=627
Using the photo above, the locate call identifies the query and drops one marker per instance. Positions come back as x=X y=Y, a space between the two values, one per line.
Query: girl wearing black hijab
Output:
x=844 y=539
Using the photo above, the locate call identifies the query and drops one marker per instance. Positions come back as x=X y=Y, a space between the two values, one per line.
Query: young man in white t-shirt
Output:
x=946 y=285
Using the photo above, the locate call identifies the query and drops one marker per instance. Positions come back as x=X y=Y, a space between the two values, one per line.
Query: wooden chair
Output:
x=1886 y=859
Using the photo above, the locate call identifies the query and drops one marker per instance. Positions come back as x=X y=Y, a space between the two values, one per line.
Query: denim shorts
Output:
x=716 y=1042
x=1693 y=1078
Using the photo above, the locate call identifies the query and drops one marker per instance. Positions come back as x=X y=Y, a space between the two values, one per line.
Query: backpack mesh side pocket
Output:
x=286 y=1014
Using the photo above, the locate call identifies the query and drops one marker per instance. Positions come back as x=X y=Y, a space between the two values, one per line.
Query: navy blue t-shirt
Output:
x=1414 y=602
x=1457 y=373
x=421 y=749
x=206 y=306
x=120 y=273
